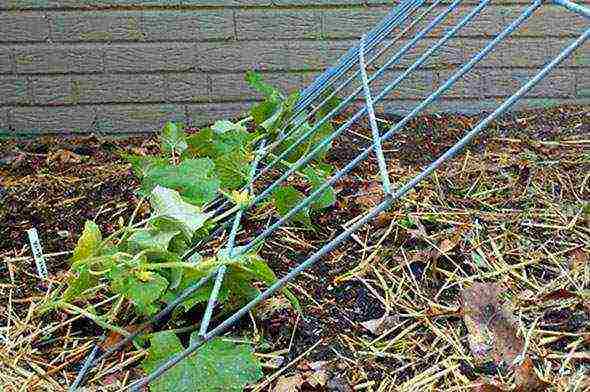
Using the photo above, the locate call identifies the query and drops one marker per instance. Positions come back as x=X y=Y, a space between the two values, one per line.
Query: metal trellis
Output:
x=381 y=51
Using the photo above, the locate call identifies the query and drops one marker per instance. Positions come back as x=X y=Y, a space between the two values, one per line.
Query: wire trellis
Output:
x=380 y=51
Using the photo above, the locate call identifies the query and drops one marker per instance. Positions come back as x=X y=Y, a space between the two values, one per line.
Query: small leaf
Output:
x=79 y=283
x=317 y=178
x=255 y=81
x=173 y=139
x=180 y=378
x=218 y=365
x=491 y=325
x=287 y=197
x=88 y=243
x=167 y=203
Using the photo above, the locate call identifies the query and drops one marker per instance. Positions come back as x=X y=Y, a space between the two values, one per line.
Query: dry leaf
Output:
x=380 y=325
x=483 y=386
x=289 y=383
x=372 y=195
x=527 y=380
x=319 y=374
x=63 y=156
x=491 y=324
x=113 y=338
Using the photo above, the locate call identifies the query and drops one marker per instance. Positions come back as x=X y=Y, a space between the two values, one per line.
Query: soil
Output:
x=56 y=184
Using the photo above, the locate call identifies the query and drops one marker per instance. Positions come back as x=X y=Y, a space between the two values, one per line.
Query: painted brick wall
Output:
x=124 y=66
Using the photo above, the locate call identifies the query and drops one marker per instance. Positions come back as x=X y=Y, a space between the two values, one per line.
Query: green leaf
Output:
x=79 y=283
x=287 y=197
x=317 y=178
x=233 y=169
x=263 y=111
x=168 y=204
x=173 y=139
x=141 y=164
x=142 y=287
x=151 y=238
x=255 y=81
x=200 y=144
x=194 y=179
x=217 y=366
x=89 y=242
x=222 y=126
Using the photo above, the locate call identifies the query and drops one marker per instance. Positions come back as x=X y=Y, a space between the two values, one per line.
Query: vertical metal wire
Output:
x=373 y=121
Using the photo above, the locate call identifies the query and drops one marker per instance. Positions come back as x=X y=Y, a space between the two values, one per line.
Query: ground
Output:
x=385 y=310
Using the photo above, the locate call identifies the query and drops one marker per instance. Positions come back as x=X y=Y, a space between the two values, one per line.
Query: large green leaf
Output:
x=287 y=197
x=233 y=169
x=168 y=204
x=218 y=366
x=173 y=139
x=141 y=164
x=151 y=238
x=142 y=287
x=194 y=179
x=88 y=244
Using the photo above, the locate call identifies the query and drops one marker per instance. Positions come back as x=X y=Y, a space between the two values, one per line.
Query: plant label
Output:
x=37 y=253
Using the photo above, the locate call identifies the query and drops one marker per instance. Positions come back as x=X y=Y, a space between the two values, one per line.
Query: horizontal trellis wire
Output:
x=355 y=67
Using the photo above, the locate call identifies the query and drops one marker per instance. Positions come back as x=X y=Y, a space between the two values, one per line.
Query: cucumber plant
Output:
x=143 y=263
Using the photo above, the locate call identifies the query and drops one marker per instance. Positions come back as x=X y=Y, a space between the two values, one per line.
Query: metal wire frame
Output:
x=390 y=196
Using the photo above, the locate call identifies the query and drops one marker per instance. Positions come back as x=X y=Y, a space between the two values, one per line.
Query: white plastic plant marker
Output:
x=37 y=253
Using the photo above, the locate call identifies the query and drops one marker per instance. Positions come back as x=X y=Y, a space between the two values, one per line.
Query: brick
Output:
x=23 y=27
x=150 y=57
x=6 y=62
x=583 y=82
x=234 y=87
x=505 y=82
x=14 y=90
x=58 y=59
x=120 y=88
x=53 y=120
x=278 y=24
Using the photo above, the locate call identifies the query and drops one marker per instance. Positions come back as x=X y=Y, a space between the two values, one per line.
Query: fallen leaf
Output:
x=113 y=338
x=483 y=386
x=559 y=294
x=319 y=374
x=372 y=195
x=63 y=156
x=491 y=325
x=289 y=383
x=527 y=380
x=380 y=325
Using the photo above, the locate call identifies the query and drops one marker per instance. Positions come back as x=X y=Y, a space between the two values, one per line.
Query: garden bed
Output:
x=381 y=312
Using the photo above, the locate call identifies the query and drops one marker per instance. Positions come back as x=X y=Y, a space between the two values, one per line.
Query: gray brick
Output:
x=62 y=120
x=6 y=63
x=505 y=82
x=119 y=88
x=58 y=59
x=143 y=57
x=23 y=27
x=95 y=26
x=583 y=82
x=130 y=118
x=278 y=24
x=187 y=25
x=14 y=90
x=234 y=87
